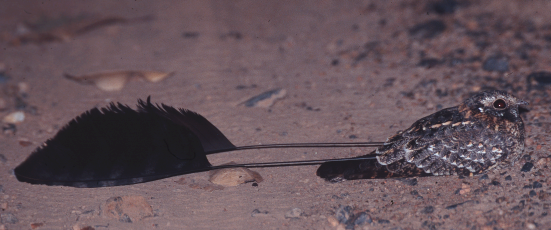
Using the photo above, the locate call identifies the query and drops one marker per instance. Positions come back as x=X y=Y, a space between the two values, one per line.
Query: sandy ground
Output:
x=353 y=71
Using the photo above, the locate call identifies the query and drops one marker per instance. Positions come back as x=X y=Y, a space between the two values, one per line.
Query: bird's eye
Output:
x=500 y=104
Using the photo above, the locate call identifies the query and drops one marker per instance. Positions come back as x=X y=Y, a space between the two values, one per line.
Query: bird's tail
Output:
x=367 y=169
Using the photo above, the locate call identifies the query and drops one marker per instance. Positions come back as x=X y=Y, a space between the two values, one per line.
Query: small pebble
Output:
x=527 y=167
x=465 y=188
x=428 y=210
x=294 y=213
x=508 y=178
x=258 y=213
x=537 y=184
x=14 y=118
x=25 y=142
x=343 y=213
x=36 y=225
x=8 y=218
x=496 y=63
x=542 y=162
x=362 y=218
x=427 y=30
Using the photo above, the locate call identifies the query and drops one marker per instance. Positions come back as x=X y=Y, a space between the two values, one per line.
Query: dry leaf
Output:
x=266 y=99
x=65 y=28
x=115 y=80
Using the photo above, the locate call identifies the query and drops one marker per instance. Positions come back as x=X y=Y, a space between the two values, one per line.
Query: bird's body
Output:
x=117 y=145
x=483 y=132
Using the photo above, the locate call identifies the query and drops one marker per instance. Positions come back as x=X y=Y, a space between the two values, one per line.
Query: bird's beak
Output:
x=521 y=102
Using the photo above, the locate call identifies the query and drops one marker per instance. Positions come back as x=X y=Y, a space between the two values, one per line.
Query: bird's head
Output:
x=496 y=103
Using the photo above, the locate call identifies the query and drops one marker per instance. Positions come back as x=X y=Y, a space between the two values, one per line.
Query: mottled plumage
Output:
x=484 y=132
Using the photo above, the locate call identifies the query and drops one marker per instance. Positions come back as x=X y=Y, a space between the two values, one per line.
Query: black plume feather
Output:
x=118 y=145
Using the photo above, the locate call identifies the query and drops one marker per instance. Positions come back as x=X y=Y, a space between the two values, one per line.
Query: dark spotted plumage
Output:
x=484 y=132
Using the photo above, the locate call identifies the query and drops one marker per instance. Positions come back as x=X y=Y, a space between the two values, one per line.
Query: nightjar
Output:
x=484 y=132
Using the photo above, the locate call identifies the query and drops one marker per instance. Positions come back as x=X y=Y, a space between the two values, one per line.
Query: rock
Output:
x=343 y=213
x=8 y=218
x=14 y=118
x=496 y=63
x=126 y=208
x=362 y=218
x=465 y=188
x=234 y=176
x=527 y=167
x=294 y=213
x=537 y=184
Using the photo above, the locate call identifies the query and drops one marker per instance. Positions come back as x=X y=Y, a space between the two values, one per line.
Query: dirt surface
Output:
x=352 y=71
